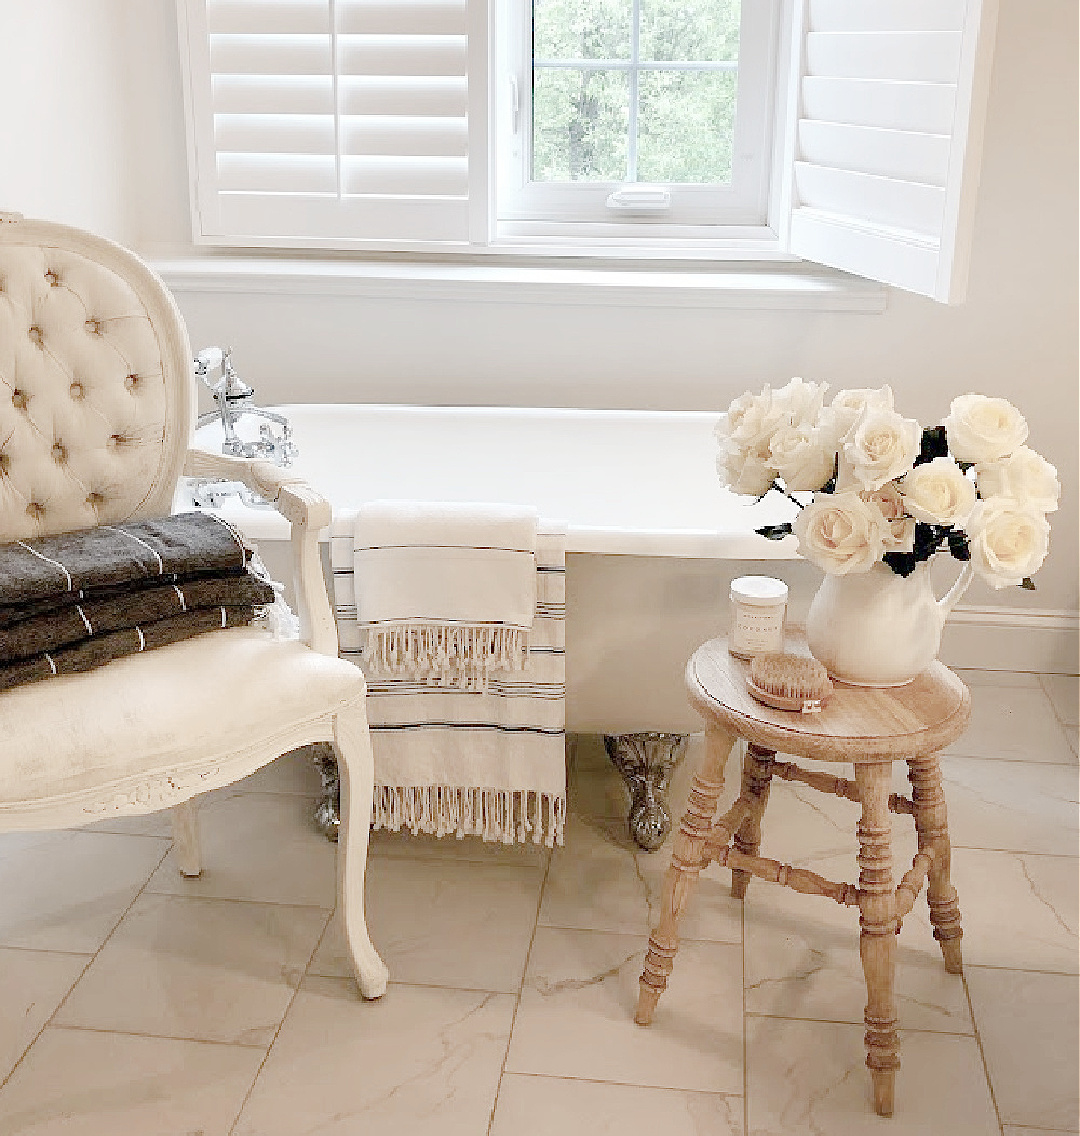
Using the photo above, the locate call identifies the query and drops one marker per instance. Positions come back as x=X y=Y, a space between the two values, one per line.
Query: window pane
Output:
x=582 y=29
x=690 y=30
x=580 y=125
x=686 y=122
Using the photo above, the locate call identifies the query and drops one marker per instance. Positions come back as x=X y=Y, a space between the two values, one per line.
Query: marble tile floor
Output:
x=135 y=1003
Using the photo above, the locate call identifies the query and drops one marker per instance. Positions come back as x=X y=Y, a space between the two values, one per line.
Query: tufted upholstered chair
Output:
x=97 y=407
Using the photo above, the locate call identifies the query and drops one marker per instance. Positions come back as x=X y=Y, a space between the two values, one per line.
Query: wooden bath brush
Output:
x=789 y=682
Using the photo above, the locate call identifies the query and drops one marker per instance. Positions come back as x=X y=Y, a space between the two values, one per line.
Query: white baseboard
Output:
x=1012 y=639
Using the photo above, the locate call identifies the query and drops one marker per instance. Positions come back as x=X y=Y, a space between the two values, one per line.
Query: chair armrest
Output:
x=307 y=512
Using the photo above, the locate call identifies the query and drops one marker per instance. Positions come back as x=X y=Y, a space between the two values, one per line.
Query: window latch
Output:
x=639 y=199
x=515 y=106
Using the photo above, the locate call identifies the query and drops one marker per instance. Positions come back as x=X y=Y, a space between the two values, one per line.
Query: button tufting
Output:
x=34 y=332
x=5 y=464
x=52 y=278
x=76 y=390
x=95 y=499
x=131 y=382
x=93 y=326
x=19 y=399
x=59 y=451
x=117 y=440
x=36 y=510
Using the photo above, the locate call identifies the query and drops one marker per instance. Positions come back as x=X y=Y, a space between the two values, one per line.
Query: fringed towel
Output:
x=488 y=762
x=78 y=600
x=448 y=590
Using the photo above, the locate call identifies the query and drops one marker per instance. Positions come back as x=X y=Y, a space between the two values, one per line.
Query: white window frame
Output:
x=577 y=210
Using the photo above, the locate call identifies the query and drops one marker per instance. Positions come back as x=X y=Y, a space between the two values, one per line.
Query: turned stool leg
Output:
x=877 y=940
x=932 y=824
x=687 y=860
x=756 y=779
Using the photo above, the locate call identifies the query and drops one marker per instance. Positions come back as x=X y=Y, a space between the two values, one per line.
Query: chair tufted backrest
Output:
x=97 y=394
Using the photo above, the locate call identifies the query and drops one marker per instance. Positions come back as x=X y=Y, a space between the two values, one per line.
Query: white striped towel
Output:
x=487 y=762
x=447 y=590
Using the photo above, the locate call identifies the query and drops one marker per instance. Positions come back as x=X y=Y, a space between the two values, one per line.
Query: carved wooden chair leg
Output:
x=356 y=770
x=931 y=821
x=688 y=857
x=185 y=830
x=877 y=940
x=756 y=780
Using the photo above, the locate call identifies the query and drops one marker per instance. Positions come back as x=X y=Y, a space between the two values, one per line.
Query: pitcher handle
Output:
x=953 y=596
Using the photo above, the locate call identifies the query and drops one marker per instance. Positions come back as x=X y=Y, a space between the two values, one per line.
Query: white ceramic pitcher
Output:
x=878 y=628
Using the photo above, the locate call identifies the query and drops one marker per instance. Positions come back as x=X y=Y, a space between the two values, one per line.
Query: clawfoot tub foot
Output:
x=328 y=810
x=646 y=761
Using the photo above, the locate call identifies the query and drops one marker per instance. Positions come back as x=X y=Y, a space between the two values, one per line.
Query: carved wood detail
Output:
x=931 y=823
x=152 y=793
x=877 y=938
x=798 y=879
x=908 y=889
x=688 y=858
x=756 y=779
x=837 y=786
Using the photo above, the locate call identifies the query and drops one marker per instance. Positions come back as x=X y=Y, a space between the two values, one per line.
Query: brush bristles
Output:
x=790 y=676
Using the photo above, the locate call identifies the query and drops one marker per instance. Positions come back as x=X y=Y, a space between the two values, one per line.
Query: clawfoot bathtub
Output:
x=653 y=541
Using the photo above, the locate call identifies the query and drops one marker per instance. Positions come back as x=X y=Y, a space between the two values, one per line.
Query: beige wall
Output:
x=100 y=143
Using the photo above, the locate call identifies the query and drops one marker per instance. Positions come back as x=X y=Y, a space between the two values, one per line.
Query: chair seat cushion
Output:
x=181 y=709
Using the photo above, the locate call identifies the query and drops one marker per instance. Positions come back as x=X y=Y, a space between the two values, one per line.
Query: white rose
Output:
x=899 y=531
x=1024 y=475
x=800 y=402
x=745 y=471
x=882 y=447
x=841 y=533
x=801 y=458
x=750 y=420
x=1008 y=540
x=899 y=535
x=982 y=429
x=938 y=493
x=848 y=407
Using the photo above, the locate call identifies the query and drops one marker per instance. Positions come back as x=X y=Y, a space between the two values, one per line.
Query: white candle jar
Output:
x=758 y=605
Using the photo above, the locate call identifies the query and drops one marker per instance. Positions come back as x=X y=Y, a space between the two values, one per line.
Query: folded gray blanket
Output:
x=105 y=648
x=75 y=564
x=71 y=623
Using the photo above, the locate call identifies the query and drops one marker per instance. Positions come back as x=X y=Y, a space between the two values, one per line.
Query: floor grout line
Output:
x=982 y=1055
x=90 y=962
x=627 y=1084
x=75 y=1028
x=281 y=1023
x=745 y=1042
x=521 y=988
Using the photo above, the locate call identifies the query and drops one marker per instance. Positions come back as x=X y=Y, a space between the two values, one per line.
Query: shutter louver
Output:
x=338 y=122
x=891 y=96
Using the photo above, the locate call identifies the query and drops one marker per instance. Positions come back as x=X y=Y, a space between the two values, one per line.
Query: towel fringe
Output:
x=502 y=815
x=459 y=655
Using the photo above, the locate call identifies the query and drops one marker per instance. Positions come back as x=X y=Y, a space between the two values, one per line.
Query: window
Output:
x=641 y=114
x=841 y=131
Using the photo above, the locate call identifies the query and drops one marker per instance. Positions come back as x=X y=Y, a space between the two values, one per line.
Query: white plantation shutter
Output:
x=889 y=101
x=338 y=121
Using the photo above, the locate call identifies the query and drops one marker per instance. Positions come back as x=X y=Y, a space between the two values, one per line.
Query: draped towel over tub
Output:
x=468 y=747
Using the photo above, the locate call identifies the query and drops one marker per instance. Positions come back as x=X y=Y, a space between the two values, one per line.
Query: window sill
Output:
x=775 y=287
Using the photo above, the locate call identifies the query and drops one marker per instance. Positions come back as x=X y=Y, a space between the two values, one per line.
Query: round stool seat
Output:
x=857 y=723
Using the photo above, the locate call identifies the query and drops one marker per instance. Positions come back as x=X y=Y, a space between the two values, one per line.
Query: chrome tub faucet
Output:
x=233 y=399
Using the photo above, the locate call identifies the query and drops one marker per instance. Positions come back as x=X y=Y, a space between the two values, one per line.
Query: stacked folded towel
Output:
x=78 y=600
x=455 y=613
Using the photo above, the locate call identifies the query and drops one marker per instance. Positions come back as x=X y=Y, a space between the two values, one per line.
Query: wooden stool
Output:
x=869 y=727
